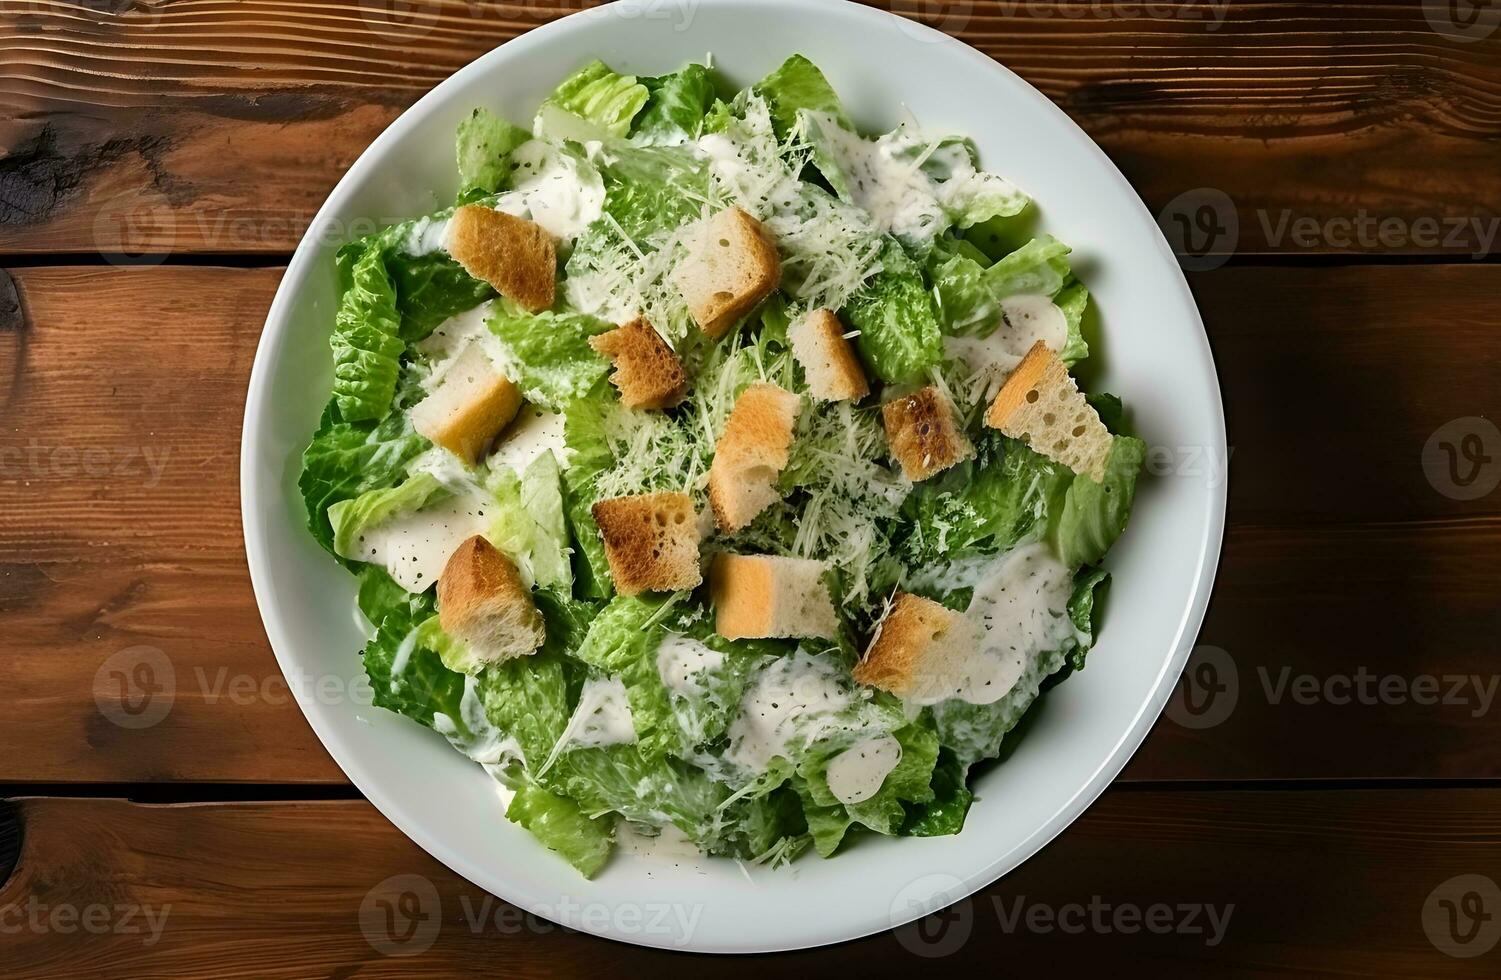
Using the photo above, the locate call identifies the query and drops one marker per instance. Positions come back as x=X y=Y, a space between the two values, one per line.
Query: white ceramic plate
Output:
x=1154 y=354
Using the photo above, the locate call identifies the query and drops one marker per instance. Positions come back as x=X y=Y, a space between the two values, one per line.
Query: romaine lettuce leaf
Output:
x=619 y=779
x=484 y=145
x=676 y=106
x=600 y=96
x=911 y=780
x=944 y=813
x=405 y=676
x=527 y=698
x=346 y=459
x=798 y=84
x=1089 y=586
x=352 y=518
x=550 y=353
x=969 y=293
x=899 y=336
x=1095 y=514
x=974 y=731
x=530 y=527
x=559 y=823
x=366 y=341
x=984 y=505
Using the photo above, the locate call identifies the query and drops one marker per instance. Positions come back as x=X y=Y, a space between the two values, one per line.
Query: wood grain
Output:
x=119 y=528
x=1303 y=883
x=132 y=126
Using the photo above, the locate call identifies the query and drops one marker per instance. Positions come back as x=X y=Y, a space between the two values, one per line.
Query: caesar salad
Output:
x=712 y=471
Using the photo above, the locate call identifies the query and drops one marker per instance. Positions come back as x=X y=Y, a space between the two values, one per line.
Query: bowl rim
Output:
x=255 y=518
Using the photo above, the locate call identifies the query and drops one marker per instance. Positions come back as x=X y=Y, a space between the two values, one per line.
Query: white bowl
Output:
x=1155 y=355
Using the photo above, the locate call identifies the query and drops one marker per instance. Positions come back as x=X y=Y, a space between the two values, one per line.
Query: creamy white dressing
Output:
x=451 y=338
x=885 y=177
x=534 y=432
x=1025 y=320
x=555 y=189
x=426 y=236
x=792 y=701
x=415 y=547
x=1019 y=610
x=603 y=716
x=856 y=774
x=682 y=662
x=474 y=735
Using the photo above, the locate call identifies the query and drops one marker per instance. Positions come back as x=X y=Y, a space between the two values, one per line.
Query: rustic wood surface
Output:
x=1351 y=642
x=220 y=125
x=1345 y=883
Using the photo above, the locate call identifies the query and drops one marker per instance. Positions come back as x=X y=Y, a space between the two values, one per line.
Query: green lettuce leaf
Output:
x=1073 y=300
x=974 y=731
x=899 y=335
x=984 y=505
x=527 y=698
x=796 y=85
x=550 y=353
x=969 y=293
x=531 y=528
x=884 y=813
x=347 y=459
x=944 y=813
x=485 y=142
x=619 y=779
x=601 y=97
x=1089 y=586
x=405 y=676
x=350 y=519
x=366 y=341
x=559 y=824
x=1095 y=514
x=675 y=107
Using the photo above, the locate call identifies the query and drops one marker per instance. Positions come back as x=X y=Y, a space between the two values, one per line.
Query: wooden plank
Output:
x=1234 y=883
x=132 y=127
x=119 y=529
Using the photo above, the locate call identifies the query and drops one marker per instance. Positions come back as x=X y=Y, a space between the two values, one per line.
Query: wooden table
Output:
x=1330 y=775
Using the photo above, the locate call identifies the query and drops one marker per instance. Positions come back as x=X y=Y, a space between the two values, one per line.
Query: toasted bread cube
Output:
x=469 y=408
x=924 y=432
x=919 y=649
x=1042 y=406
x=483 y=602
x=758 y=596
x=647 y=372
x=651 y=542
x=731 y=267
x=516 y=256
x=750 y=454
x=829 y=362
